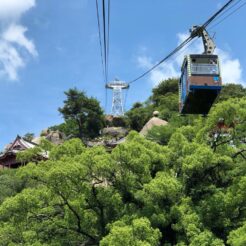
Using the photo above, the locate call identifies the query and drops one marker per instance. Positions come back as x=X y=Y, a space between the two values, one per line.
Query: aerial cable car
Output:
x=200 y=81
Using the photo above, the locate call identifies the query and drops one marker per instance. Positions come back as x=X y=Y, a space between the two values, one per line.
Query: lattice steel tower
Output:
x=117 y=103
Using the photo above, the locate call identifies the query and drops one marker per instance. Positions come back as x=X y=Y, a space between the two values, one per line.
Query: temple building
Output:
x=8 y=157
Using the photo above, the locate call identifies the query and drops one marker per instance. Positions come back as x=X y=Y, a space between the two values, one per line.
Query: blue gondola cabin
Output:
x=200 y=83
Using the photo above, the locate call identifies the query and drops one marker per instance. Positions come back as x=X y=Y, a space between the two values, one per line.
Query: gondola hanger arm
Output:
x=208 y=42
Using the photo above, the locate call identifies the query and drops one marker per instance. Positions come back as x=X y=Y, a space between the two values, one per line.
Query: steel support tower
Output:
x=117 y=88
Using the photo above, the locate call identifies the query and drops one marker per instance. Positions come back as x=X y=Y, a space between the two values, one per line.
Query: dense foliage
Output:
x=232 y=91
x=83 y=115
x=188 y=190
x=164 y=99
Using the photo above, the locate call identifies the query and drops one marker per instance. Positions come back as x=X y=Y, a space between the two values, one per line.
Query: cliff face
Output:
x=56 y=137
x=110 y=137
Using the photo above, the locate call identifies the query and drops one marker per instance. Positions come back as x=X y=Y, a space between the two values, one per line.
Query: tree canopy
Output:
x=188 y=191
x=182 y=185
x=83 y=115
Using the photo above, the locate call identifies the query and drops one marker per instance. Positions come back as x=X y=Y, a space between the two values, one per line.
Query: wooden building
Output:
x=8 y=157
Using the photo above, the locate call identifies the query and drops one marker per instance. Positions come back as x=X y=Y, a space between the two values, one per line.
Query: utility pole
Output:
x=117 y=88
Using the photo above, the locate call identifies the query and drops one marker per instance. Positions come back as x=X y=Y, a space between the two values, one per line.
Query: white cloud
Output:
x=10 y=59
x=14 y=9
x=230 y=68
x=14 y=44
x=16 y=34
x=164 y=71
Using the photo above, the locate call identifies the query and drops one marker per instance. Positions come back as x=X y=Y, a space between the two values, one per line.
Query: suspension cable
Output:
x=228 y=9
x=192 y=36
x=164 y=59
x=104 y=38
x=212 y=18
x=100 y=40
x=108 y=38
x=126 y=95
x=107 y=56
x=227 y=16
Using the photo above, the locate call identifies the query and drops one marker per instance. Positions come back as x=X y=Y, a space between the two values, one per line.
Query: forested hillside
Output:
x=184 y=184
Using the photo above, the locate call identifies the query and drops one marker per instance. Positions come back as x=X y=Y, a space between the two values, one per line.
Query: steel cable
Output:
x=193 y=35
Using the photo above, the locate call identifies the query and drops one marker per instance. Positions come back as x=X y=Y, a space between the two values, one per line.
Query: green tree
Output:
x=165 y=98
x=164 y=88
x=10 y=184
x=161 y=134
x=69 y=128
x=29 y=136
x=138 y=233
x=232 y=91
x=138 y=116
x=83 y=111
x=191 y=191
x=40 y=152
x=238 y=237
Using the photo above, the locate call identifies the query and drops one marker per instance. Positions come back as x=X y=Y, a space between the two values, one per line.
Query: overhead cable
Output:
x=108 y=38
x=212 y=18
x=193 y=35
x=104 y=37
x=125 y=100
x=164 y=59
x=229 y=8
x=100 y=40
x=227 y=16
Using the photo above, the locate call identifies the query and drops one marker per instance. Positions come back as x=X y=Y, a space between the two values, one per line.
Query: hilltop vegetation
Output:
x=82 y=114
x=183 y=185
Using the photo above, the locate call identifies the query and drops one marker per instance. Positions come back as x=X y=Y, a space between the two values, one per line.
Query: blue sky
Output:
x=49 y=46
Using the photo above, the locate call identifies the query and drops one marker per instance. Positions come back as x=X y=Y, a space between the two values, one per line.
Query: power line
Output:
x=192 y=36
